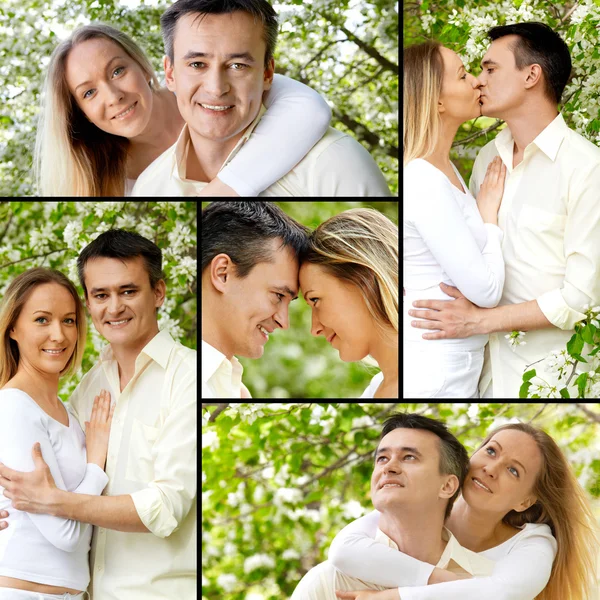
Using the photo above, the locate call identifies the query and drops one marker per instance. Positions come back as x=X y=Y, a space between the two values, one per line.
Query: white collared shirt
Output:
x=550 y=216
x=322 y=580
x=152 y=457
x=221 y=378
x=337 y=165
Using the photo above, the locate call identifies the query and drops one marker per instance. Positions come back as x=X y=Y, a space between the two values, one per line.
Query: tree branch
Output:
x=220 y=408
x=474 y=136
x=366 y=135
x=592 y=415
x=32 y=257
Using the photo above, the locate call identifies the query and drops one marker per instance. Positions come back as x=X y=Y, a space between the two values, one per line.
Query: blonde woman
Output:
x=521 y=506
x=349 y=278
x=448 y=236
x=105 y=118
x=42 y=338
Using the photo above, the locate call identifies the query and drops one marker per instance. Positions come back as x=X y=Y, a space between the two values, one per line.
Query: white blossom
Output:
x=227 y=581
x=257 y=561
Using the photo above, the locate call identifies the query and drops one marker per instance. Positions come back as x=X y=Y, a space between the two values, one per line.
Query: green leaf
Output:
x=575 y=344
x=564 y=393
x=88 y=220
x=581 y=382
x=587 y=334
x=524 y=389
x=529 y=375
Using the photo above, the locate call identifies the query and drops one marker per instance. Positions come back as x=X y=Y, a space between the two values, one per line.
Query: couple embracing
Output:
x=224 y=124
x=255 y=259
x=114 y=471
x=509 y=523
x=518 y=250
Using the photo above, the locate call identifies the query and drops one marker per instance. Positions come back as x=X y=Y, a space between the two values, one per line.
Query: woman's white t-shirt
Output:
x=36 y=547
x=445 y=240
x=523 y=565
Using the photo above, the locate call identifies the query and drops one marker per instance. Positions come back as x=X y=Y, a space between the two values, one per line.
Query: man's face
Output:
x=218 y=62
x=408 y=461
x=121 y=302
x=258 y=300
x=502 y=83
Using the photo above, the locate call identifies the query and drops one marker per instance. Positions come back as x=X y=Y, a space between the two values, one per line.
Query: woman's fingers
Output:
x=95 y=409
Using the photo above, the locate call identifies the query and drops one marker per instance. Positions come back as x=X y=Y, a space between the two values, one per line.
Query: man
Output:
x=418 y=472
x=144 y=542
x=249 y=277
x=202 y=37
x=550 y=212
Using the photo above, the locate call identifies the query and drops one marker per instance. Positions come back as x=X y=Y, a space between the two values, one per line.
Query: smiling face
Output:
x=507 y=466
x=238 y=308
x=410 y=458
x=121 y=301
x=218 y=62
x=46 y=330
x=106 y=82
x=503 y=85
x=460 y=90
x=339 y=313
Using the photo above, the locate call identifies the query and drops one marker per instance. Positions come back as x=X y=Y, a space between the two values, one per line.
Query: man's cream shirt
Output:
x=221 y=378
x=550 y=216
x=152 y=457
x=321 y=581
x=337 y=165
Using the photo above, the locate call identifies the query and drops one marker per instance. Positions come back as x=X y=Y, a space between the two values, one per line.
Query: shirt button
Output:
x=98 y=569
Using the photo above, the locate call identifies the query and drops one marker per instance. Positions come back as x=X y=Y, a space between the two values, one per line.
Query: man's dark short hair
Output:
x=123 y=245
x=454 y=459
x=243 y=230
x=540 y=44
x=261 y=10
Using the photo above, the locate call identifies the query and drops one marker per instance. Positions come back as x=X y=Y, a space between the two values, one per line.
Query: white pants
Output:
x=441 y=371
x=14 y=594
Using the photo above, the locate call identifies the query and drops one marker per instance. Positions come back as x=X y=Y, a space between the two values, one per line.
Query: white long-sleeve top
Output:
x=445 y=240
x=43 y=548
x=523 y=565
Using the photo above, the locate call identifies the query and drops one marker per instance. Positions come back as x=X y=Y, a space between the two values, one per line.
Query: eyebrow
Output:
x=402 y=449
x=243 y=55
x=514 y=460
x=49 y=313
x=106 y=67
x=284 y=289
x=489 y=62
x=129 y=286
x=307 y=292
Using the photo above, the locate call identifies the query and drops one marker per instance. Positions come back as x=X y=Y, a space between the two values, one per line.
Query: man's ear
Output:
x=159 y=293
x=168 y=68
x=534 y=75
x=451 y=484
x=268 y=75
x=220 y=271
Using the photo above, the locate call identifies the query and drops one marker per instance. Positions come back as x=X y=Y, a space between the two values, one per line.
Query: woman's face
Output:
x=502 y=473
x=110 y=87
x=46 y=330
x=339 y=313
x=460 y=90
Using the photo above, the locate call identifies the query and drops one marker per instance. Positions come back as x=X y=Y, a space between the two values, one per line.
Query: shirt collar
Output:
x=212 y=359
x=548 y=140
x=184 y=143
x=157 y=349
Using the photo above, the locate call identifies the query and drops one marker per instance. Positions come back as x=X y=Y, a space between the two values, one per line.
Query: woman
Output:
x=448 y=235
x=89 y=142
x=349 y=277
x=533 y=520
x=43 y=335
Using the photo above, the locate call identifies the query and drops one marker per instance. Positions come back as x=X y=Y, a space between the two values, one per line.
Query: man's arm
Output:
x=461 y=319
x=110 y=512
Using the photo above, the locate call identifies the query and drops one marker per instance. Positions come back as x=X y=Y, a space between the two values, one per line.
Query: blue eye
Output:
x=313 y=300
x=488 y=449
x=118 y=69
x=40 y=318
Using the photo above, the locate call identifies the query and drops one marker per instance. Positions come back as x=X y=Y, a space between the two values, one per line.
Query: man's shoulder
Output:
x=157 y=173
x=336 y=165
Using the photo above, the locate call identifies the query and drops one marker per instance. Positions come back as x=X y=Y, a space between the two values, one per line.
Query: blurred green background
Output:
x=296 y=364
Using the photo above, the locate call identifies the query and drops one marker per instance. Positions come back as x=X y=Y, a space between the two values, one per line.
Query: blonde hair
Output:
x=423 y=75
x=360 y=246
x=14 y=299
x=563 y=506
x=72 y=156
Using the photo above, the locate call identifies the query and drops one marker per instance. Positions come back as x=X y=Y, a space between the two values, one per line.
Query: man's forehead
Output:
x=401 y=436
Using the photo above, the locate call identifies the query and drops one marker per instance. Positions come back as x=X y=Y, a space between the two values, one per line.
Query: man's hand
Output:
x=3 y=515
x=454 y=318
x=391 y=594
x=33 y=491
